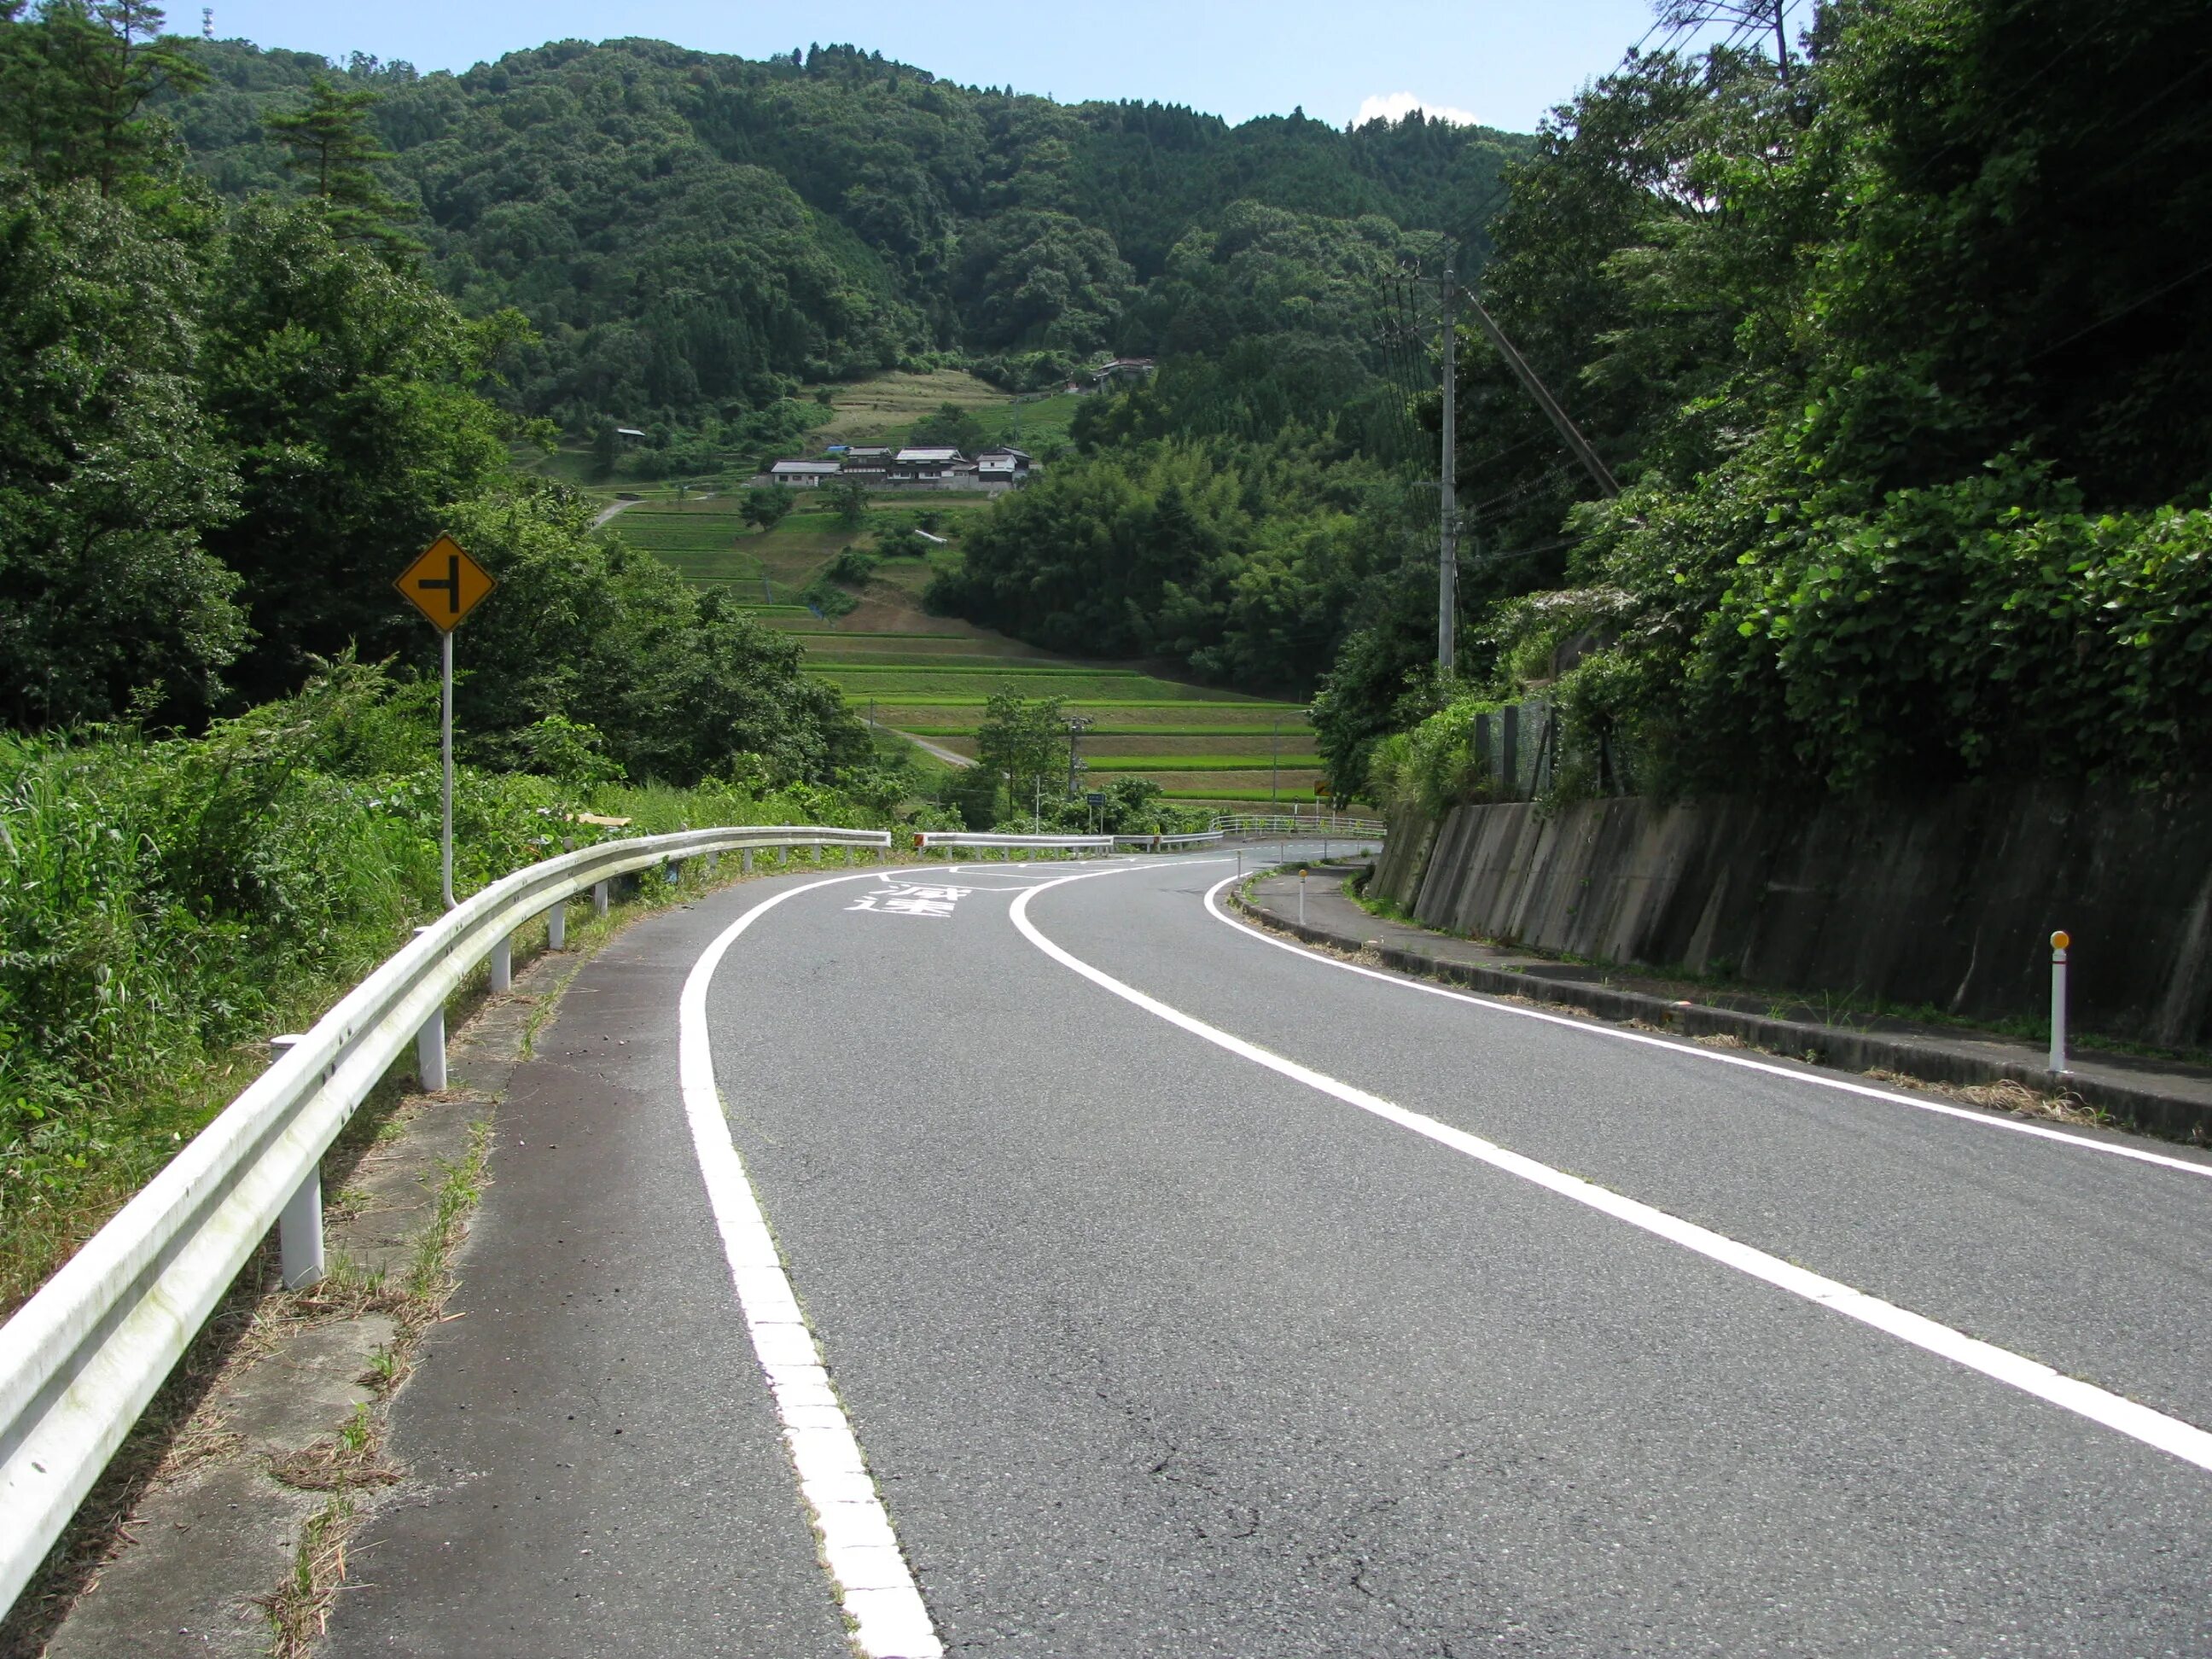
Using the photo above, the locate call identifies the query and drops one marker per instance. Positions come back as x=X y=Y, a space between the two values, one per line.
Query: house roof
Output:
x=908 y=456
x=807 y=467
x=1007 y=450
x=869 y=449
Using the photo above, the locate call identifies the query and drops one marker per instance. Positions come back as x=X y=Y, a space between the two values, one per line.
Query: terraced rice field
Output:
x=930 y=676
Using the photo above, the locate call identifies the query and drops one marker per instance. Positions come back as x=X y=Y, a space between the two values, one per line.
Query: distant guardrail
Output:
x=1337 y=825
x=985 y=841
x=79 y=1360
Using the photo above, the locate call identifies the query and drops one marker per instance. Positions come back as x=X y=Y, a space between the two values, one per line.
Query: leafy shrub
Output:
x=828 y=598
x=853 y=566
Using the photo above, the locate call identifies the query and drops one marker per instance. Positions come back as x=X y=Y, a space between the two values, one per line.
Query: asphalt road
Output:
x=1158 y=1345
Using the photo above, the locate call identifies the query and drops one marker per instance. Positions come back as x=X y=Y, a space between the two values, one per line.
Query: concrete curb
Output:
x=1827 y=1045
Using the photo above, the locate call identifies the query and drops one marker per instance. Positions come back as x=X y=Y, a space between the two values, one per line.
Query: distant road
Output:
x=951 y=758
x=1189 y=1293
x=609 y=511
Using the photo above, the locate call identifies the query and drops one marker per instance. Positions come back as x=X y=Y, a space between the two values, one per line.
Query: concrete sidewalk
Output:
x=2166 y=1097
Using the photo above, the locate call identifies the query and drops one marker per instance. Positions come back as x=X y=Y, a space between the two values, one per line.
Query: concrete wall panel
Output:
x=1946 y=901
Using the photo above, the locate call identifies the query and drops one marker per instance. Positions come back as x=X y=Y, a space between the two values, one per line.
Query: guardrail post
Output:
x=430 y=1053
x=300 y=1223
x=714 y=863
x=502 y=964
x=598 y=898
x=674 y=868
x=556 y=926
x=300 y=1232
x=848 y=858
x=746 y=861
x=430 y=1047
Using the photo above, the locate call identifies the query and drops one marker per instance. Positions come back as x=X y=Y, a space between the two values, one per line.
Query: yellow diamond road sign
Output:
x=445 y=584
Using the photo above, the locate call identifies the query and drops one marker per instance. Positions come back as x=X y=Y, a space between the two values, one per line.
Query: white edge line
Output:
x=875 y=1587
x=2152 y=1428
x=1595 y=1026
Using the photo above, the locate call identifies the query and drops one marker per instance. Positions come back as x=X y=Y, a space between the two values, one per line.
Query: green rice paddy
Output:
x=931 y=677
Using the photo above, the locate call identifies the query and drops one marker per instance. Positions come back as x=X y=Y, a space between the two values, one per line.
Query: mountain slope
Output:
x=696 y=234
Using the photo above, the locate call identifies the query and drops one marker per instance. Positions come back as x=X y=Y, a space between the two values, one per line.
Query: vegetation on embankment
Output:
x=169 y=903
x=223 y=429
x=1900 y=360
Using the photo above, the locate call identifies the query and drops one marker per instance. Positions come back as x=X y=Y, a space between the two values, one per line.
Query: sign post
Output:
x=445 y=584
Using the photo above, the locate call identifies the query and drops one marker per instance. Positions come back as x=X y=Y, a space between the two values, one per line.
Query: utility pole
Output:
x=1447 y=548
x=1077 y=725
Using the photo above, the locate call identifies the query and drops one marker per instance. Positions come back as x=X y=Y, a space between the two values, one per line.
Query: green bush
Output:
x=853 y=567
x=1776 y=631
x=826 y=597
x=166 y=902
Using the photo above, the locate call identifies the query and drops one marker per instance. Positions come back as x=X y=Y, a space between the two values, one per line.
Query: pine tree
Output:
x=74 y=75
x=332 y=147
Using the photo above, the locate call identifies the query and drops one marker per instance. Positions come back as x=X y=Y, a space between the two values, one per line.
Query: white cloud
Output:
x=1396 y=105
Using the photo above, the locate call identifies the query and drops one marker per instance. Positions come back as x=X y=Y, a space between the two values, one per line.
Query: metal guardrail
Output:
x=1335 y=825
x=79 y=1360
x=926 y=838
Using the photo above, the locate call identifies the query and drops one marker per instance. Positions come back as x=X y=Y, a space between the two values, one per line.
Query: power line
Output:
x=2109 y=318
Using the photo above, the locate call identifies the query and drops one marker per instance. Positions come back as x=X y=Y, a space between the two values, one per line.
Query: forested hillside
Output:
x=693 y=236
x=1901 y=360
x=1897 y=347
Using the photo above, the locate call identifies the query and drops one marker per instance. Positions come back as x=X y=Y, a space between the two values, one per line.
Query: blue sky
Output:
x=1500 y=62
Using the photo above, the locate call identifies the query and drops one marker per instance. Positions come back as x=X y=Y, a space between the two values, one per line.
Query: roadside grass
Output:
x=134 y=1007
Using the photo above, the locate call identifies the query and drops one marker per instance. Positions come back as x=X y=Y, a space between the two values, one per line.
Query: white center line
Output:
x=2167 y=1434
x=874 y=1585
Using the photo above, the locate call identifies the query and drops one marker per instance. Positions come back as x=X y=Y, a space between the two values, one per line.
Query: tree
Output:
x=333 y=149
x=110 y=473
x=73 y=83
x=849 y=497
x=764 y=509
x=347 y=388
x=951 y=427
x=1022 y=741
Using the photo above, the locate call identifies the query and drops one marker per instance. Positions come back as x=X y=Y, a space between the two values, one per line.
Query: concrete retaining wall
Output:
x=1948 y=902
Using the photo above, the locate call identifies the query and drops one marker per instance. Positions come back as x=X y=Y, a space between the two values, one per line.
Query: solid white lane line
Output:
x=874 y=1586
x=2167 y=1434
x=1717 y=1056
